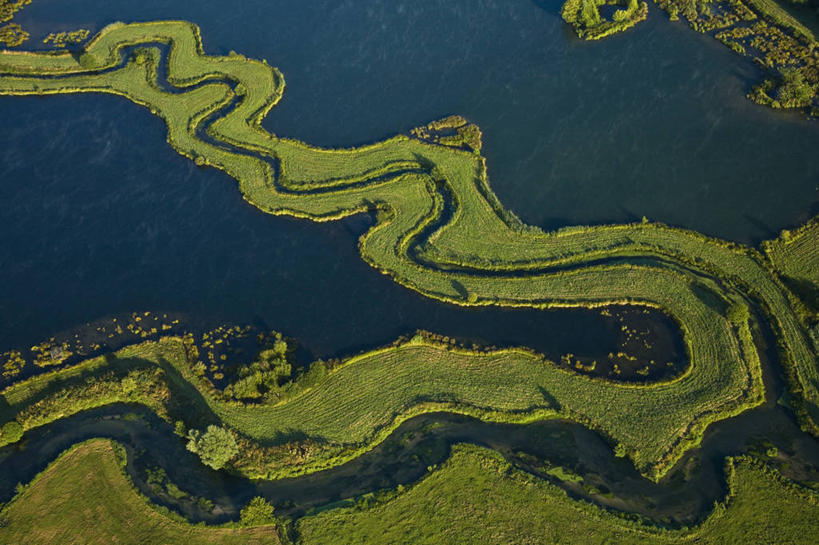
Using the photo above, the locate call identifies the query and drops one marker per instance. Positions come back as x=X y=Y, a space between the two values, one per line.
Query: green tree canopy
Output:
x=215 y=447
x=257 y=512
x=12 y=431
x=795 y=91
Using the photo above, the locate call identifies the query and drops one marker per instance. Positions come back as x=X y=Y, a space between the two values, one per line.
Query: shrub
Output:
x=215 y=447
x=257 y=512
x=88 y=61
x=270 y=371
x=12 y=432
x=794 y=92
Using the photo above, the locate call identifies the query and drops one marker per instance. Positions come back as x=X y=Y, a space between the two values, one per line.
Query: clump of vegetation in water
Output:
x=160 y=484
x=794 y=91
x=13 y=362
x=264 y=376
x=585 y=17
x=62 y=39
x=12 y=34
x=791 y=91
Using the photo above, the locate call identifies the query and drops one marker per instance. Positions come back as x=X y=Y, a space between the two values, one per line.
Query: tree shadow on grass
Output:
x=711 y=299
x=549 y=398
x=460 y=288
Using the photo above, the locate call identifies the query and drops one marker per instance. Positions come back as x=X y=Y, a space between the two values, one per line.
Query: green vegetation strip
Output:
x=475 y=497
x=795 y=254
x=441 y=231
x=354 y=406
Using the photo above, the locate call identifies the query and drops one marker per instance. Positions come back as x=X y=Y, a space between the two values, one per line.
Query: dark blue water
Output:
x=650 y=122
x=100 y=216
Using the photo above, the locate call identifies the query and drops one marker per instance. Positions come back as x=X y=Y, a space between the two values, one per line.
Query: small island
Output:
x=590 y=24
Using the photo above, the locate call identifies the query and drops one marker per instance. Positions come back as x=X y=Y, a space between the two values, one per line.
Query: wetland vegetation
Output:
x=585 y=17
x=438 y=229
x=778 y=43
x=782 y=46
x=12 y=34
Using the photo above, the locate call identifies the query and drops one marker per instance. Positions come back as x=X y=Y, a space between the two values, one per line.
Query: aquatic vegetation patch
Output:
x=12 y=34
x=96 y=338
x=63 y=39
x=778 y=43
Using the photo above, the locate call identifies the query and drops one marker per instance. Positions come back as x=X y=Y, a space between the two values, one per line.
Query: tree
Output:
x=215 y=447
x=267 y=373
x=794 y=91
x=257 y=512
x=589 y=13
x=12 y=431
